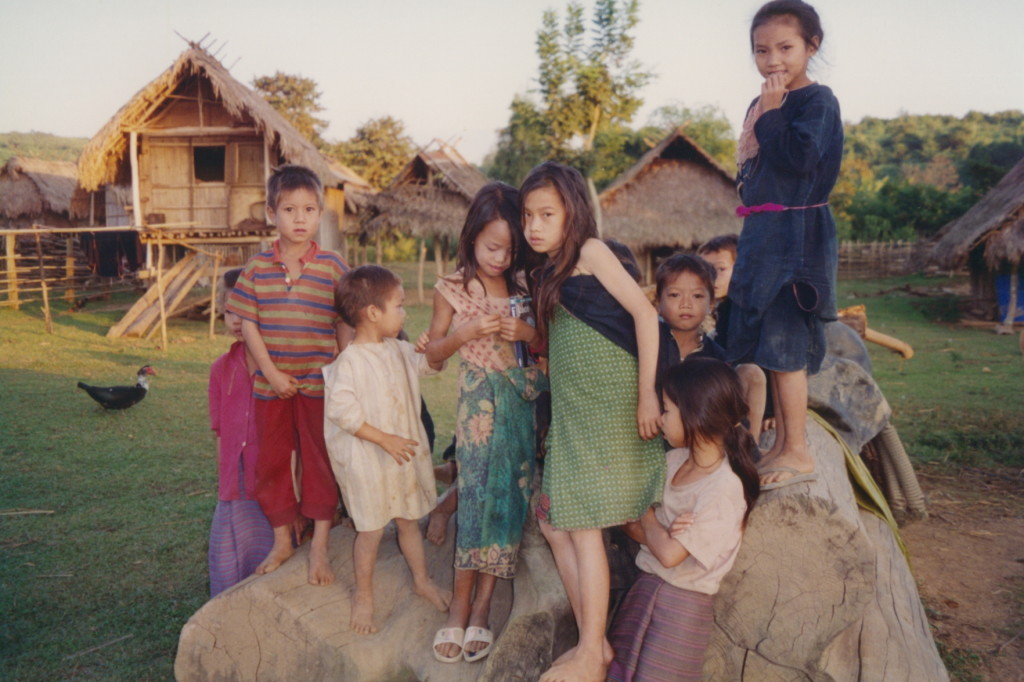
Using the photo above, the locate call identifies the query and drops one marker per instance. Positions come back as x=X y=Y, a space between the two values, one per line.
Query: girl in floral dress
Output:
x=495 y=422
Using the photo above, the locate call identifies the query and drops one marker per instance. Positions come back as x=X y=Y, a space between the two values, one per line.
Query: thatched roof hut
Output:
x=675 y=197
x=33 y=190
x=105 y=158
x=995 y=225
x=195 y=147
x=989 y=238
x=429 y=197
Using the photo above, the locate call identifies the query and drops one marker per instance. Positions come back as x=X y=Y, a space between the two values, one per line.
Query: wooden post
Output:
x=1011 y=306
x=423 y=263
x=378 y=256
x=133 y=142
x=11 y=264
x=69 y=269
x=213 y=296
x=160 y=294
x=445 y=249
x=437 y=257
x=42 y=282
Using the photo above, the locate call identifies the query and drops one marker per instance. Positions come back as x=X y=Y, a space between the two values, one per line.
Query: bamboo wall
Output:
x=870 y=260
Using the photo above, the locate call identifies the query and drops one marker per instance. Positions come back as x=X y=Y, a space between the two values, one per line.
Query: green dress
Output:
x=598 y=472
x=495 y=441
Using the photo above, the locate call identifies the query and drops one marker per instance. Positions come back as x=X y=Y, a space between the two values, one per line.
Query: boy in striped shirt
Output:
x=285 y=297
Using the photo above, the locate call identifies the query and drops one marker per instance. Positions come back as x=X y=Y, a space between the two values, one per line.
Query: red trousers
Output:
x=284 y=425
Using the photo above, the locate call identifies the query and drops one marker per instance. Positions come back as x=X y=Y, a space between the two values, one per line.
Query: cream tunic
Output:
x=378 y=384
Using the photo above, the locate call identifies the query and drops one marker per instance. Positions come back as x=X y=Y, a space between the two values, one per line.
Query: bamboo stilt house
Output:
x=194 y=147
x=675 y=197
x=989 y=239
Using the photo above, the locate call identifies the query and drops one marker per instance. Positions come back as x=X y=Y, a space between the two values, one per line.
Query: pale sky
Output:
x=449 y=68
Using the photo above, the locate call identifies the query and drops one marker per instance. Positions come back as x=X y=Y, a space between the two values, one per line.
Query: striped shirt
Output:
x=296 y=319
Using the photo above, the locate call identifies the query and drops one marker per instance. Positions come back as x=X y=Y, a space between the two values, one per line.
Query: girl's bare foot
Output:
x=582 y=666
x=320 y=572
x=279 y=554
x=362 y=614
x=437 y=526
x=432 y=593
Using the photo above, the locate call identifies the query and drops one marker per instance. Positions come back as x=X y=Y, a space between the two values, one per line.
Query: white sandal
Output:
x=475 y=634
x=449 y=636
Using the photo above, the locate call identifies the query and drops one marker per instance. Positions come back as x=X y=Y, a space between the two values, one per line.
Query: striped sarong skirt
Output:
x=660 y=633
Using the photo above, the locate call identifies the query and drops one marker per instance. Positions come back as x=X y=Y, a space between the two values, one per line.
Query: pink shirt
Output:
x=233 y=419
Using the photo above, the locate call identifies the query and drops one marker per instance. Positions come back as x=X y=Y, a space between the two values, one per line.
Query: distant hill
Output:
x=40 y=146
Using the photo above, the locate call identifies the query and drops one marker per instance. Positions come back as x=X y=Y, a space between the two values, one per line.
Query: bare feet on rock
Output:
x=279 y=554
x=362 y=614
x=582 y=666
x=320 y=572
x=433 y=594
x=785 y=465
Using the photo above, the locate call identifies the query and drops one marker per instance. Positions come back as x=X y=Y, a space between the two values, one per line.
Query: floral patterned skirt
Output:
x=495 y=450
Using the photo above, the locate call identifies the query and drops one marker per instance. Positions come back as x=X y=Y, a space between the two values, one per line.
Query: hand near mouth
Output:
x=773 y=90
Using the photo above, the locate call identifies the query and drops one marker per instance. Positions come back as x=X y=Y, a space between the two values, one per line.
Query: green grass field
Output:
x=99 y=586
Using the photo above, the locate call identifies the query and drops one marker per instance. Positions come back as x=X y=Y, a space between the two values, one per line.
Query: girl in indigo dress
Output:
x=691 y=540
x=495 y=422
x=783 y=285
x=603 y=466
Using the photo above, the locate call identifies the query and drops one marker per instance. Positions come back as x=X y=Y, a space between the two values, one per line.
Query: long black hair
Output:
x=580 y=225
x=709 y=396
x=494 y=201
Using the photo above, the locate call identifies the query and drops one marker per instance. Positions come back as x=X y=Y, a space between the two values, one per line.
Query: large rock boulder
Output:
x=278 y=627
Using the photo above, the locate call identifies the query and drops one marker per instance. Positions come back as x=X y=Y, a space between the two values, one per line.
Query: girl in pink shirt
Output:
x=240 y=536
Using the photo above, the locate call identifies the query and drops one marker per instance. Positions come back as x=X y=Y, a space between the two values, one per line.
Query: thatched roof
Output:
x=996 y=222
x=430 y=196
x=676 y=195
x=358 y=191
x=32 y=187
x=105 y=156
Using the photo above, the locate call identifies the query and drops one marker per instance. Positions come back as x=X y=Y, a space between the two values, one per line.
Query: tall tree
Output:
x=521 y=144
x=378 y=150
x=297 y=99
x=586 y=88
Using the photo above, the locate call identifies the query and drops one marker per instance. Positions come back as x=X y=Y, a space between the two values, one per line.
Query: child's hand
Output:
x=481 y=327
x=772 y=91
x=648 y=415
x=284 y=385
x=421 y=343
x=682 y=522
x=402 y=449
x=516 y=329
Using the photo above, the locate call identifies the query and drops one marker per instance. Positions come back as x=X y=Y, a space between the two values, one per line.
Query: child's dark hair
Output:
x=231 y=277
x=805 y=15
x=675 y=265
x=709 y=396
x=580 y=226
x=360 y=288
x=723 y=242
x=626 y=257
x=290 y=177
x=494 y=201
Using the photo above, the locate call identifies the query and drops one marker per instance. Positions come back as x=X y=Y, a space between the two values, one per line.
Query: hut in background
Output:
x=428 y=199
x=184 y=164
x=675 y=197
x=33 y=191
x=989 y=238
x=192 y=150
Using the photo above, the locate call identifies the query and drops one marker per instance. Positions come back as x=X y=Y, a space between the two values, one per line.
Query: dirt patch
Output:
x=968 y=559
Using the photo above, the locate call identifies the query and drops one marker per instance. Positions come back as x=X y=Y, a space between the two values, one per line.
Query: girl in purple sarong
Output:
x=689 y=541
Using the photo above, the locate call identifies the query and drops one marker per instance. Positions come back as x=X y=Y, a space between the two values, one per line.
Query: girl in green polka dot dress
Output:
x=604 y=466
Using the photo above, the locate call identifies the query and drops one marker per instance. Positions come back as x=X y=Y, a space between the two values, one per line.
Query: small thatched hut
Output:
x=427 y=199
x=989 y=238
x=675 y=197
x=37 y=191
x=195 y=147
